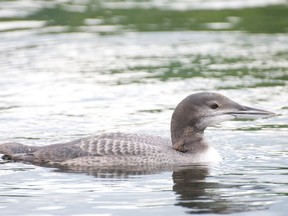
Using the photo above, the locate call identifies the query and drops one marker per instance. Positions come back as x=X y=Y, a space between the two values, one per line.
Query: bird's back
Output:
x=102 y=150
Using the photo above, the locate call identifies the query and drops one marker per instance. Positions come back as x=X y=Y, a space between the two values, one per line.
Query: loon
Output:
x=186 y=146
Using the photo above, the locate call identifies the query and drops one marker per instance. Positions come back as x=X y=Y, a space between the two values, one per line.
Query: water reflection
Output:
x=117 y=172
x=201 y=195
x=71 y=68
x=195 y=188
x=109 y=17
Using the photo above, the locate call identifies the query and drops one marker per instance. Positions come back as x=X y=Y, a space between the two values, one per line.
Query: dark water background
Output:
x=74 y=68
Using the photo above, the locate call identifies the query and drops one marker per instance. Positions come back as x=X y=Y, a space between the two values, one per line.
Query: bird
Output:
x=186 y=146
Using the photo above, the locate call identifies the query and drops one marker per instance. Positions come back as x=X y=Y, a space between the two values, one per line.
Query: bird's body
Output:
x=110 y=149
x=186 y=146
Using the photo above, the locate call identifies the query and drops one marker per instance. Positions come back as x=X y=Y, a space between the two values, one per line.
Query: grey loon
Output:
x=186 y=146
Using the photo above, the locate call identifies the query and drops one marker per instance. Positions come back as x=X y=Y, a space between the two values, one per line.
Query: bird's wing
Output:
x=110 y=144
x=118 y=147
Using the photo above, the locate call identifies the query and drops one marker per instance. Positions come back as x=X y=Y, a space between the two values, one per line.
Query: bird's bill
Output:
x=250 y=112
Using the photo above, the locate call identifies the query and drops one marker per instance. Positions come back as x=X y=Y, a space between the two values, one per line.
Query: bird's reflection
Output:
x=202 y=193
x=117 y=172
x=197 y=193
x=196 y=190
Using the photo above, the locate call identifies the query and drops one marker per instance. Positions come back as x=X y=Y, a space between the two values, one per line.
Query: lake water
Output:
x=75 y=68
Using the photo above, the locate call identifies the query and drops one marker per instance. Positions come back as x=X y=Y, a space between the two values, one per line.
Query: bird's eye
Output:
x=214 y=106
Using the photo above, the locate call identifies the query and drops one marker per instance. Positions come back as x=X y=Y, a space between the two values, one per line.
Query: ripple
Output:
x=72 y=69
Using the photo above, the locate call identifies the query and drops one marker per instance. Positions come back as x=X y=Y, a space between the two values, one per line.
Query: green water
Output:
x=74 y=68
x=145 y=16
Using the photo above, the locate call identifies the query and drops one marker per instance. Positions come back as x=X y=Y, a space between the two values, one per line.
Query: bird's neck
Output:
x=187 y=139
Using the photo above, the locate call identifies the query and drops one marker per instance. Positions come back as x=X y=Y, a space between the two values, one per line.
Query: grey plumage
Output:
x=189 y=120
x=111 y=149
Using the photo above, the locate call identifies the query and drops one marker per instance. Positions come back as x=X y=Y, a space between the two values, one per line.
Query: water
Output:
x=75 y=68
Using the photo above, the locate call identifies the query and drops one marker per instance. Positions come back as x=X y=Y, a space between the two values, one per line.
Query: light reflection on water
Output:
x=62 y=79
x=236 y=185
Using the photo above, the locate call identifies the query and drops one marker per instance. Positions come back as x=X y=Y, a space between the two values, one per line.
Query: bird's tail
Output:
x=10 y=150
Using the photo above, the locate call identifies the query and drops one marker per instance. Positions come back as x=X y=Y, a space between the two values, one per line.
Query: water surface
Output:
x=74 y=68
